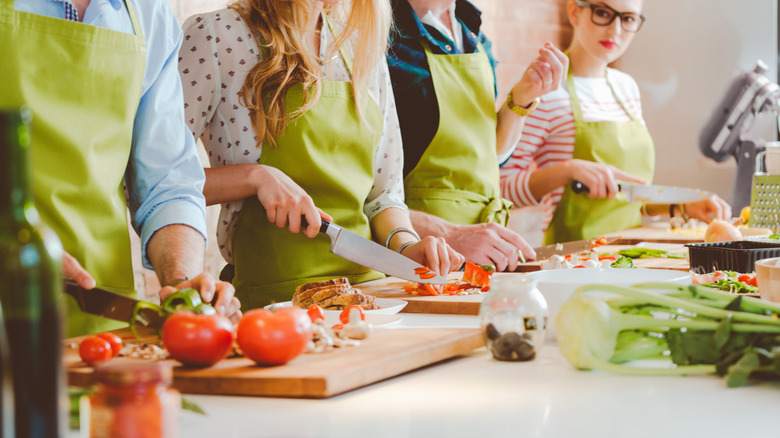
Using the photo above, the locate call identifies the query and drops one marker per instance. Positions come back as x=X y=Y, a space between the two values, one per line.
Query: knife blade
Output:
x=653 y=194
x=572 y=247
x=110 y=305
x=365 y=252
x=575 y=246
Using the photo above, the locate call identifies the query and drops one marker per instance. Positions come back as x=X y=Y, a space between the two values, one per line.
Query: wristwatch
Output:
x=519 y=110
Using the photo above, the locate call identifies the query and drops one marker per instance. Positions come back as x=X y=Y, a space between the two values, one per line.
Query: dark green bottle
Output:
x=30 y=290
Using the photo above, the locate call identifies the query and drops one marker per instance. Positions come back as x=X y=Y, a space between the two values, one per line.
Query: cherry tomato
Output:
x=94 y=350
x=315 y=312
x=113 y=340
x=197 y=340
x=754 y=281
x=274 y=338
x=344 y=316
x=745 y=278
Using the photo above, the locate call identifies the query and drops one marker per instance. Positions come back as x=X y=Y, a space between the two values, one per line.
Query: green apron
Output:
x=83 y=84
x=457 y=176
x=625 y=145
x=329 y=152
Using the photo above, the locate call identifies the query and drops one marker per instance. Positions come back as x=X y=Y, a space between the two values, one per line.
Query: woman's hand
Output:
x=711 y=208
x=285 y=201
x=226 y=303
x=436 y=254
x=544 y=74
x=601 y=179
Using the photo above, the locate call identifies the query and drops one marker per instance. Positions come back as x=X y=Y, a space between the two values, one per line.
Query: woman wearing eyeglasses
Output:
x=591 y=130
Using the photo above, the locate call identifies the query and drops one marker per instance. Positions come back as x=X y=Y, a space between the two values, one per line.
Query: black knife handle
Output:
x=578 y=187
x=323 y=226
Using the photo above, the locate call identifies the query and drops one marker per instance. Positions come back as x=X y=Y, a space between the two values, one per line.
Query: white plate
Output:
x=382 y=317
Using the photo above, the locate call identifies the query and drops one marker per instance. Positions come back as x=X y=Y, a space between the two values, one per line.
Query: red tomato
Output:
x=197 y=340
x=274 y=338
x=113 y=340
x=754 y=281
x=344 y=316
x=745 y=278
x=315 y=312
x=94 y=350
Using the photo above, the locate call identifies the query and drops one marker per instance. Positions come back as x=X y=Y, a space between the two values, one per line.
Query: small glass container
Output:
x=513 y=318
x=133 y=399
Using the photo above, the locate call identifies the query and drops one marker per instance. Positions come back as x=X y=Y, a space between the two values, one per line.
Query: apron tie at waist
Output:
x=496 y=210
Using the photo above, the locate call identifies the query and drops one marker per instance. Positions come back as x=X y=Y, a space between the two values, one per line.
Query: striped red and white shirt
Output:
x=548 y=135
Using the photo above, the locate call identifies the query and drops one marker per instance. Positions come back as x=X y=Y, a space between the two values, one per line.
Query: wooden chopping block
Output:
x=385 y=354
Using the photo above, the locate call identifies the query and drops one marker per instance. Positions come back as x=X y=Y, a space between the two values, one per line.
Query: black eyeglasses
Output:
x=603 y=15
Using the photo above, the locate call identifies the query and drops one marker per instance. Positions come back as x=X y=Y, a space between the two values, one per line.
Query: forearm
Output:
x=389 y=219
x=545 y=180
x=230 y=183
x=176 y=251
x=429 y=225
x=509 y=129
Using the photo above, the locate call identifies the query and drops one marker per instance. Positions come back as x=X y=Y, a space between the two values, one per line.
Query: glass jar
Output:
x=513 y=318
x=133 y=399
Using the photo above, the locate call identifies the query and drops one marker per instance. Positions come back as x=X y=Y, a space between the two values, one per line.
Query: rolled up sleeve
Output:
x=164 y=177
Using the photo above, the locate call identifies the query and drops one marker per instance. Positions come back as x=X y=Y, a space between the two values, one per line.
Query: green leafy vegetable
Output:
x=623 y=262
x=775 y=236
x=733 y=286
x=644 y=253
x=700 y=330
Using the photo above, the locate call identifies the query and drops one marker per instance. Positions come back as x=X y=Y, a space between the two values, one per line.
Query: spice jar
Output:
x=133 y=399
x=513 y=318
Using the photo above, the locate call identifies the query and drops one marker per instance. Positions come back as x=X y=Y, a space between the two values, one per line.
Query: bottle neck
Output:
x=15 y=193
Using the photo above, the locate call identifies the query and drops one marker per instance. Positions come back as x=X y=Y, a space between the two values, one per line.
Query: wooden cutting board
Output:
x=385 y=354
x=392 y=287
x=660 y=233
x=649 y=263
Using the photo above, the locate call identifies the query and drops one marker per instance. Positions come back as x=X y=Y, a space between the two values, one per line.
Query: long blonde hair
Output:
x=279 y=26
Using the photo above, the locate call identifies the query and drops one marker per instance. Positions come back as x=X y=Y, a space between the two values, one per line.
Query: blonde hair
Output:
x=279 y=27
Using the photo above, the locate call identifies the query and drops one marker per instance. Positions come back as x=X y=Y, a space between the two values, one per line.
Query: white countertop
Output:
x=477 y=396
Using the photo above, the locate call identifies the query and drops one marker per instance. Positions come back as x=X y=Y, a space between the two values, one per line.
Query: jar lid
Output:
x=119 y=372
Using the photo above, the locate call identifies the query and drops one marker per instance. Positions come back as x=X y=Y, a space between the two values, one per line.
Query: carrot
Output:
x=421 y=270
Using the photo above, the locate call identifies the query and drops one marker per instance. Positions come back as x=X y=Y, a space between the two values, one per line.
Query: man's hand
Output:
x=489 y=244
x=226 y=304
x=72 y=268
x=543 y=75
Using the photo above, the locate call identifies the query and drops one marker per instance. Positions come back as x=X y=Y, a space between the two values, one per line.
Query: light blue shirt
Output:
x=164 y=177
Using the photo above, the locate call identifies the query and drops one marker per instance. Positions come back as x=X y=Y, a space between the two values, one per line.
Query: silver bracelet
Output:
x=398 y=230
x=403 y=247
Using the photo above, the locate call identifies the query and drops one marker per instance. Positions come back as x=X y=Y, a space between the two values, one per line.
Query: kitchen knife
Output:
x=653 y=194
x=573 y=247
x=358 y=249
x=110 y=305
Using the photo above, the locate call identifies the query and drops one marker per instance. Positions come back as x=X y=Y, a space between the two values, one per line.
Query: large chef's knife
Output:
x=110 y=305
x=653 y=194
x=358 y=249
